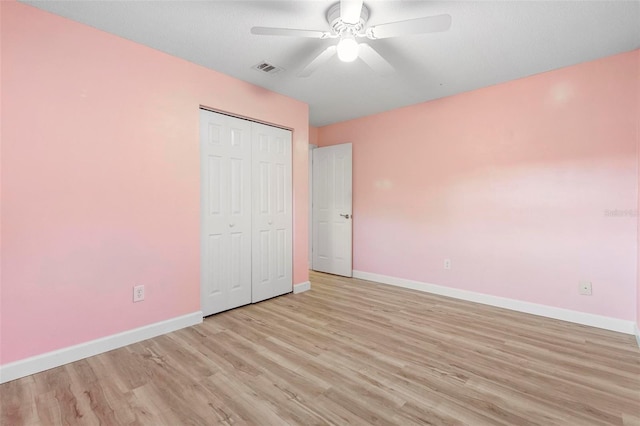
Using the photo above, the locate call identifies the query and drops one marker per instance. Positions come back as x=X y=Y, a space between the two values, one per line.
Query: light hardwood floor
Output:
x=348 y=352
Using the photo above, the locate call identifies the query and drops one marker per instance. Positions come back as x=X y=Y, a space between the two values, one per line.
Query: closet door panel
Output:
x=213 y=255
x=239 y=212
x=272 y=213
x=226 y=212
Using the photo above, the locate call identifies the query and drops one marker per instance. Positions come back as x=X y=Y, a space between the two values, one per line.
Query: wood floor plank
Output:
x=347 y=352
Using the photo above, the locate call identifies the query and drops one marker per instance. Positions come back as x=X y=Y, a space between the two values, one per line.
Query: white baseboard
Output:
x=36 y=364
x=599 y=321
x=299 y=288
x=638 y=334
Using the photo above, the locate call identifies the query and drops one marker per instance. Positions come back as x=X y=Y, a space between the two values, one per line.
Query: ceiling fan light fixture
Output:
x=348 y=48
x=348 y=20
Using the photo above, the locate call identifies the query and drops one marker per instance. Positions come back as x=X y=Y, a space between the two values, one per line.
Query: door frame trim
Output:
x=244 y=117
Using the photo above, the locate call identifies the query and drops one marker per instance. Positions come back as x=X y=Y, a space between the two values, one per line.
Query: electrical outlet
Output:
x=447 y=264
x=585 y=288
x=138 y=293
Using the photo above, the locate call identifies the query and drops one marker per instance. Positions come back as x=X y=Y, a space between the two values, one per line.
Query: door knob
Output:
x=231 y=225
x=346 y=216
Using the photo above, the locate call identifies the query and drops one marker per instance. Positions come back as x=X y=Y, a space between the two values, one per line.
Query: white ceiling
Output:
x=489 y=42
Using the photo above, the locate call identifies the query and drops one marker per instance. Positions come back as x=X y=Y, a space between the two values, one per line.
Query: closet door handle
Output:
x=231 y=225
x=346 y=216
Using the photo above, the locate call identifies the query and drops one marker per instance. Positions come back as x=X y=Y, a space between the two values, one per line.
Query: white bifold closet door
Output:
x=226 y=212
x=272 y=218
x=246 y=218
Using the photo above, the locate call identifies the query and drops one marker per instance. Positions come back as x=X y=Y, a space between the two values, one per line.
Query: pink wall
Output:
x=638 y=206
x=313 y=135
x=100 y=180
x=511 y=183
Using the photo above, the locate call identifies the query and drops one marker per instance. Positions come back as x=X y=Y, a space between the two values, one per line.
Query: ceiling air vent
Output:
x=267 y=68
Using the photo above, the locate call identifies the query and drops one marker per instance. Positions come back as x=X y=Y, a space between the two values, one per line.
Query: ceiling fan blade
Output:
x=374 y=60
x=318 y=61
x=429 y=24
x=289 y=32
x=350 y=11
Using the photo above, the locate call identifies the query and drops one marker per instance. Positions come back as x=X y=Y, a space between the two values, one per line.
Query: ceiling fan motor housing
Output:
x=338 y=26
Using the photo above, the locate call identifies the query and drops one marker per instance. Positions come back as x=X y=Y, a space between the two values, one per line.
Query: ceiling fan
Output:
x=348 y=21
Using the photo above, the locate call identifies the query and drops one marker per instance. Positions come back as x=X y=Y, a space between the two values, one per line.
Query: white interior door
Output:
x=272 y=212
x=225 y=144
x=332 y=210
